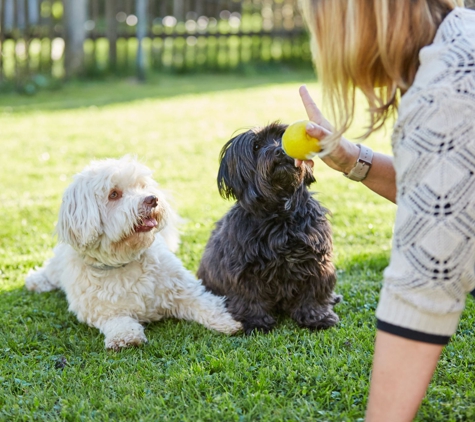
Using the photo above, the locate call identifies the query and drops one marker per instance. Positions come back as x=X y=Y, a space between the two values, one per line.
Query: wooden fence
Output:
x=43 y=40
x=60 y=37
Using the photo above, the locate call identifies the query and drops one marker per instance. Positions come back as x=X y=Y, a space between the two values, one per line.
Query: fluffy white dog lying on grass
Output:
x=115 y=261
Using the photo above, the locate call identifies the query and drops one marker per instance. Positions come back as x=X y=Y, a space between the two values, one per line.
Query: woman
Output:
x=422 y=52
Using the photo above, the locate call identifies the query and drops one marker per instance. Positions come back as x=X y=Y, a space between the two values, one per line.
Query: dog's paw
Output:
x=36 y=281
x=230 y=326
x=264 y=324
x=335 y=299
x=121 y=340
x=223 y=323
x=329 y=320
x=316 y=318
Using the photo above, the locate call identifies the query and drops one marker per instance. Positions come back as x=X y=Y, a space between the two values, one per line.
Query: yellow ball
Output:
x=297 y=143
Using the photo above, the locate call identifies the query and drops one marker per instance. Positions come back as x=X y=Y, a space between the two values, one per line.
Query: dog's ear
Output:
x=237 y=170
x=227 y=183
x=79 y=221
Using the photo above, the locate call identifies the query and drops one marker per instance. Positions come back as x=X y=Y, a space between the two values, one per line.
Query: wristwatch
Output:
x=362 y=165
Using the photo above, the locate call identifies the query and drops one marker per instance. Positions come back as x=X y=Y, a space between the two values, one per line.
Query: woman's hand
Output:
x=344 y=155
x=381 y=177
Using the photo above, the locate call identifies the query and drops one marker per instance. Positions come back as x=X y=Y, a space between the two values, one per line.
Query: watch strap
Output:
x=362 y=165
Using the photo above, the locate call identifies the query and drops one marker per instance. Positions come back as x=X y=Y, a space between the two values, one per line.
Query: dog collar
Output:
x=105 y=267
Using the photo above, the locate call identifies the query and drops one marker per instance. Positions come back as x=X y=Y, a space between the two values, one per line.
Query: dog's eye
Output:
x=115 y=194
x=256 y=147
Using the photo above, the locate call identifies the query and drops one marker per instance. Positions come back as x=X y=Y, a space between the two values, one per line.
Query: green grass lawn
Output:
x=55 y=368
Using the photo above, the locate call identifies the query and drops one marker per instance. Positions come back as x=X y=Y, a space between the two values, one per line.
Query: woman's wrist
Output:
x=353 y=152
x=363 y=164
x=344 y=157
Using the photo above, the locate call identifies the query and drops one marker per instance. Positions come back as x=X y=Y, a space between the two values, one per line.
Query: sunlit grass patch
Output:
x=54 y=368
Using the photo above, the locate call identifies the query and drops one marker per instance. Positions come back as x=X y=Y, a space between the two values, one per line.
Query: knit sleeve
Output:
x=433 y=256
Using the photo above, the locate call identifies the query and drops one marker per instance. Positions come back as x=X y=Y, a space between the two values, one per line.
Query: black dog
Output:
x=272 y=251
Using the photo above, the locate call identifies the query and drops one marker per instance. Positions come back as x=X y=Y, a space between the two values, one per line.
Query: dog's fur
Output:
x=115 y=261
x=272 y=251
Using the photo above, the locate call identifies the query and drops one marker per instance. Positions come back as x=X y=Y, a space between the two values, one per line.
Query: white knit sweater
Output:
x=432 y=265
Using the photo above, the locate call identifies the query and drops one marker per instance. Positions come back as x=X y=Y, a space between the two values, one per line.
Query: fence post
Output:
x=75 y=16
x=179 y=10
x=141 y=10
x=33 y=12
x=111 y=32
x=2 y=36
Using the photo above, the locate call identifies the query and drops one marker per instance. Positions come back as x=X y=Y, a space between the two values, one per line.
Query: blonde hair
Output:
x=372 y=45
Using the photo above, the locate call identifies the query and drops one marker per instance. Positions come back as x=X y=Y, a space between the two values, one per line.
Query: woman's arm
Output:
x=381 y=177
x=402 y=370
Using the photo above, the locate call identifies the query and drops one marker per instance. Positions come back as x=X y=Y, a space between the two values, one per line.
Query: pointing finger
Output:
x=313 y=112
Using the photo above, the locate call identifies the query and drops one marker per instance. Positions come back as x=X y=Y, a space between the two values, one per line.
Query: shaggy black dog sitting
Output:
x=272 y=251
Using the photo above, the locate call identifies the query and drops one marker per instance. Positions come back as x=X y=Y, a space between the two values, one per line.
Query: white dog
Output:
x=115 y=261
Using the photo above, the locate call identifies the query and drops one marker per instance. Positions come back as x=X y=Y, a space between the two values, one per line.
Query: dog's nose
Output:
x=279 y=152
x=151 y=201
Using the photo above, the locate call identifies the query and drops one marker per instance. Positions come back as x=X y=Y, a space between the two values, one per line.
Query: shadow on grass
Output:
x=80 y=94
